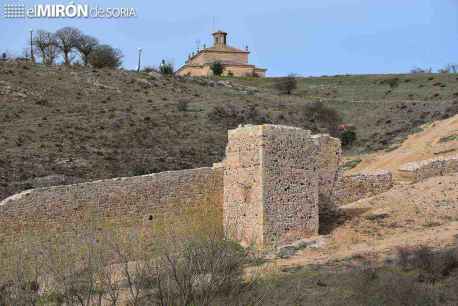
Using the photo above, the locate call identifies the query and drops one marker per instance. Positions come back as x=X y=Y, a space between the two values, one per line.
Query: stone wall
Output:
x=329 y=158
x=270 y=185
x=290 y=184
x=121 y=201
x=351 y=188
x=418 y=171
x=243 y=212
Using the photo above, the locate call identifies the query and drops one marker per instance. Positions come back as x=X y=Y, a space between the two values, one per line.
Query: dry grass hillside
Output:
x=62 y=125
x=435 y=139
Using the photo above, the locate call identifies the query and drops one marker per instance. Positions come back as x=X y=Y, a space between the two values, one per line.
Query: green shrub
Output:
x=449 y=138
x=217 y=68
x=347 y=137
x=166 y=68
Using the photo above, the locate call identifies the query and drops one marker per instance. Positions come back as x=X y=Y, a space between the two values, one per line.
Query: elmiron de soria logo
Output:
x=70 y=10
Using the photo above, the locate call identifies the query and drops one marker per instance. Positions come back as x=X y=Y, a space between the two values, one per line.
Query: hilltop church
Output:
x=234 y=61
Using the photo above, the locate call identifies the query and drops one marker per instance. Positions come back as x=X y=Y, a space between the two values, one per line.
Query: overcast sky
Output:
x=307 y=37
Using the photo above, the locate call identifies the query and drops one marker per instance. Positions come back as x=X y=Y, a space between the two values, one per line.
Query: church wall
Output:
x=239 y=71
x=210 y=57
x=195 y=71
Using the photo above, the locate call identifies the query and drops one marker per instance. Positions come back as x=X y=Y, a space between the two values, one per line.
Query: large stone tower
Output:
x=270 y=185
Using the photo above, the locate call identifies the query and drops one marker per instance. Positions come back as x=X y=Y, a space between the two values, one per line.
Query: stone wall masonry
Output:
x=329 y=158
x=243 y=212
x=418 y=171
x=272 y=188
x=270 y=185
x=133 y=199
x=290 y=184
x=351 y=188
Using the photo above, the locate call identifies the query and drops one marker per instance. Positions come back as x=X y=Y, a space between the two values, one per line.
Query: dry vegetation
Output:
x=60 y=125
x=179 y=260
x=188 y=263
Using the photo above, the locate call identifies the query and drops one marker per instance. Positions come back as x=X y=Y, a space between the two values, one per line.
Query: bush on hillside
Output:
x=432 y=265
x=105 y=56
x=232 y=115
x=392 y=82
x=217 y=68
x=347 y=137
x=286 y=85
x=318 y=116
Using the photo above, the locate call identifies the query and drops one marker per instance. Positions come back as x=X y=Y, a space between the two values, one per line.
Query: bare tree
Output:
x=85 y=44
x=450 y=68
x=67 y=40
x=40 y=43
x=418 y=70
x=47 y=46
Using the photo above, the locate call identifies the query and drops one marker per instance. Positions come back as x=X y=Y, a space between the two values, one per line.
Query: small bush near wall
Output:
x=347 y=137
x=217 y=68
